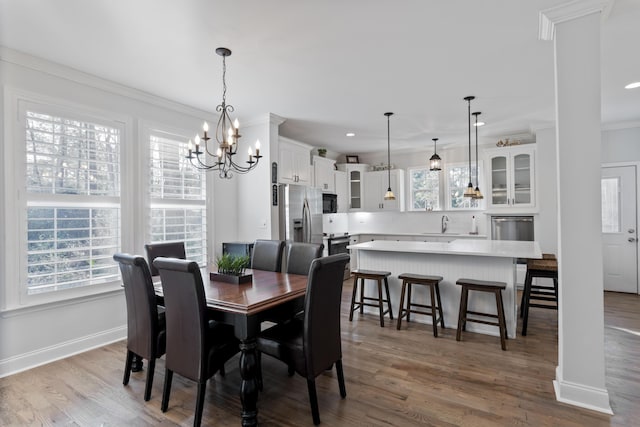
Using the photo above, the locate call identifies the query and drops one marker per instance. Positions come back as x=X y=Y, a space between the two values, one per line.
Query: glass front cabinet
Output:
x=355 y=183
x=511 y=177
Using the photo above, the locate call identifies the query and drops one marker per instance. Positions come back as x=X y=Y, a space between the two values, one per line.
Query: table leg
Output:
x=249 y=387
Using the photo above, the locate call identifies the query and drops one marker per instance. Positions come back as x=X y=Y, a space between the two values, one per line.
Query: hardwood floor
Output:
x=393 y=378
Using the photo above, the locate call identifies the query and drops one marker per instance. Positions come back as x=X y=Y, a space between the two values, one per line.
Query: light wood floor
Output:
x=393 y=378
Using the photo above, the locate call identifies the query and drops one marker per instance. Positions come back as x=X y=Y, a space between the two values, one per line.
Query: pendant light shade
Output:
x=389 y=194
x=435 y=161
x=469 y=191
x=478 y=194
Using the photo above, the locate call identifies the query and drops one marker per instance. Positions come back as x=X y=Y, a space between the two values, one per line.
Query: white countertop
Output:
x=425 y=234
x=492 y=248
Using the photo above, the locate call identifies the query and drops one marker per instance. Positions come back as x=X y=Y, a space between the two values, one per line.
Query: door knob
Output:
x=631 y=230
x=631 y=239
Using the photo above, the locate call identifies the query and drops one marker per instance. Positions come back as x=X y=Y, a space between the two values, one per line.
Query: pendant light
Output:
x=389 y=194
x=434 y=161
x=478 y=194
x=470 y=191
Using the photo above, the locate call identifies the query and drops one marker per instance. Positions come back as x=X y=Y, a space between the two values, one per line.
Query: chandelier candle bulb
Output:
x=258 y=148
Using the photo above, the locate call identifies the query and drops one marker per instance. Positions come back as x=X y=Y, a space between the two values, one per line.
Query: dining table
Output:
x=245 y=306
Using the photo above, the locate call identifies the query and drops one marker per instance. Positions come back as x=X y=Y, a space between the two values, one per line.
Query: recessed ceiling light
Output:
x=632 y=85
x=479 y=124
x=351 y=134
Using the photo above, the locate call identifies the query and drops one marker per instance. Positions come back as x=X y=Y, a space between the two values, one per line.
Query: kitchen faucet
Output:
x=444 y=221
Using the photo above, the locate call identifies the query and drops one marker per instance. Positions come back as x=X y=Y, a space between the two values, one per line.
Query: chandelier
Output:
x=226 y=135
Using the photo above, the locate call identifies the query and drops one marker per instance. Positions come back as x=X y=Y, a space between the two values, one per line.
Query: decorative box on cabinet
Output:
x=376 y=185
x=355 y=181
x=511 y=177
x=323 y=174
x=294 y=162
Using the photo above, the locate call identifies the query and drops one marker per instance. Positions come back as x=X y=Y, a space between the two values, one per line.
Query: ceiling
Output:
x=332 y=67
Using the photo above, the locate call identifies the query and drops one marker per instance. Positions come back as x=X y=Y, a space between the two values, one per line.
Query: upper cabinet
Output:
x=511 y=177
x=376 y=185
x=342 y=190
x=294 y=162
x=323 y=177
x=355 y=184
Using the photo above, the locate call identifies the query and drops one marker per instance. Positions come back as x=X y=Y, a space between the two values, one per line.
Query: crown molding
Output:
x=549 y=18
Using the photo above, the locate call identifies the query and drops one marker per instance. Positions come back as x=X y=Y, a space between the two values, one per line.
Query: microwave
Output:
x=329 y=203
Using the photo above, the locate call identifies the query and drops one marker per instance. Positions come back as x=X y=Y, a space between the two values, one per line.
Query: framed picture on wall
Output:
x=352 y=159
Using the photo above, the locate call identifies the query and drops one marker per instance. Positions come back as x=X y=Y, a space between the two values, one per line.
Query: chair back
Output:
x=267 y=255
x=142 y=310
x=185 y=307
x=300 y=256
x=322 y=342
x=164 y=249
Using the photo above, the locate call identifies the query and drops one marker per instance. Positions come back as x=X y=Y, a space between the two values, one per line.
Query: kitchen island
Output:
x=472 y=259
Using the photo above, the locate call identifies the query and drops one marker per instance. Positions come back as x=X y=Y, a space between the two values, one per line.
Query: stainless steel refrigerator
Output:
x=300 y=213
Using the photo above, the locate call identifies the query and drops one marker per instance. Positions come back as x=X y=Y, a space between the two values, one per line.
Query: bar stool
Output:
x=433 y=282
x=482 y=286
x=547 y=267
x=378 y=276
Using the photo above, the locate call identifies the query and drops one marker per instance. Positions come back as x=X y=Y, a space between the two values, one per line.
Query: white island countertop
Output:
x=490 y=248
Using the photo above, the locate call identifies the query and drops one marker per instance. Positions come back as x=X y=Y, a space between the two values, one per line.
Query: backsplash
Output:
x=414 y=222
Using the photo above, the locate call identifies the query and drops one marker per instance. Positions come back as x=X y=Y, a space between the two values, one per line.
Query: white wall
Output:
x=621 y=145
x=36 y=335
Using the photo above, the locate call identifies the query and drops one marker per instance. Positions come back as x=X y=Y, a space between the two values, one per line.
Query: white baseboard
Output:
x=25 y=361
x=595 y=399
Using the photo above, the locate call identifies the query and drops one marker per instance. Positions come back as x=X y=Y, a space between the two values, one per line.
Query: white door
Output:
x=619 y=229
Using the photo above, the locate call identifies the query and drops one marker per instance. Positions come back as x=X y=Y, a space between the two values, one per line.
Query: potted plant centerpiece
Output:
x=231 y=269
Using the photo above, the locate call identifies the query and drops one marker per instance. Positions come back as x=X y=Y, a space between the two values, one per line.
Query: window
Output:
x=611 y=220
x=72 y=184
x=424 y=189
x=178 y=196
x=458 y=179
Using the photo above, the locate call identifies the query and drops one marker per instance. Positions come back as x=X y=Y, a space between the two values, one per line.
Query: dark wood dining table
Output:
x=246 y=306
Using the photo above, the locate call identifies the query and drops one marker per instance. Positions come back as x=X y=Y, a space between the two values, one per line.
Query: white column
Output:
x=580 y=375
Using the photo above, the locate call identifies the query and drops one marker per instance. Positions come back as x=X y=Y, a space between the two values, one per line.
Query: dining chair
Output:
x=146 y=327
x=267 y=255
x=196 y=347
x=164 y=249
x=311 y=344
x=300 y=255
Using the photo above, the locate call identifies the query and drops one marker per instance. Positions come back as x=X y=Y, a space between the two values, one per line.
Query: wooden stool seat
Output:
x=533 y=295
x=482 y=286
x=434 y=308
x=380 y=277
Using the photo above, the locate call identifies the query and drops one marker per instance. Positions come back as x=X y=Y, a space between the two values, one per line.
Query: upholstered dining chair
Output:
x=300 y=255
x=196 y=347
x=146 y=332
x=312 y=344
x=267 y=255
x=164 y=249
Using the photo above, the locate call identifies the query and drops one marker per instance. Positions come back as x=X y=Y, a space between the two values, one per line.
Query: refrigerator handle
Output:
x=306 y=222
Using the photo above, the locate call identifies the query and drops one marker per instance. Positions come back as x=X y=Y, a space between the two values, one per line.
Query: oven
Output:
x=338 y=245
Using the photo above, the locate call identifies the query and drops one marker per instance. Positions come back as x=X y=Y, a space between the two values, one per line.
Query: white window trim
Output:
x=409 y=186
x=16 y=102
x=482 y=203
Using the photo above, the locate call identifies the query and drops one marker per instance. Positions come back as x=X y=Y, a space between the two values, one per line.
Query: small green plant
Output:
x=322 y=152
x=232 y=264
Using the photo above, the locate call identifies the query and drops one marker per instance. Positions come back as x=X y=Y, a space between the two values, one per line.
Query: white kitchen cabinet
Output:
x=342 y=190
x=511 y=177
x=294 y=162
x=376 y=185
x=323 y=177
x=355 y=183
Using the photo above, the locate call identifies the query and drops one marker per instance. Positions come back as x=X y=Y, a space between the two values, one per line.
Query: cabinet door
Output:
x=355 y=189
x=499 y=180
x=342 y=191
x=373 y=191
x=323 y=175
x=301 y=161
x=522 y=187
x=287 y=172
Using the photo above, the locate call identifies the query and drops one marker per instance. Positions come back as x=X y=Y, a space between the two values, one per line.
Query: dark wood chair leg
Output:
x=439 y=305
x=380 y=304
x=353 y=297
x=313 y=400
x=462 y=315
x=127 y=367
x=401 y=310
x=501 y=320
x=527 y=278
x=259 y=374
x=343 y=390
x=168 y=376
x=149 y=384
x=361 y=295
x=434 y=319
x=197 y=418
x=386 y=287
x=525 y=307
x=409 y=301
